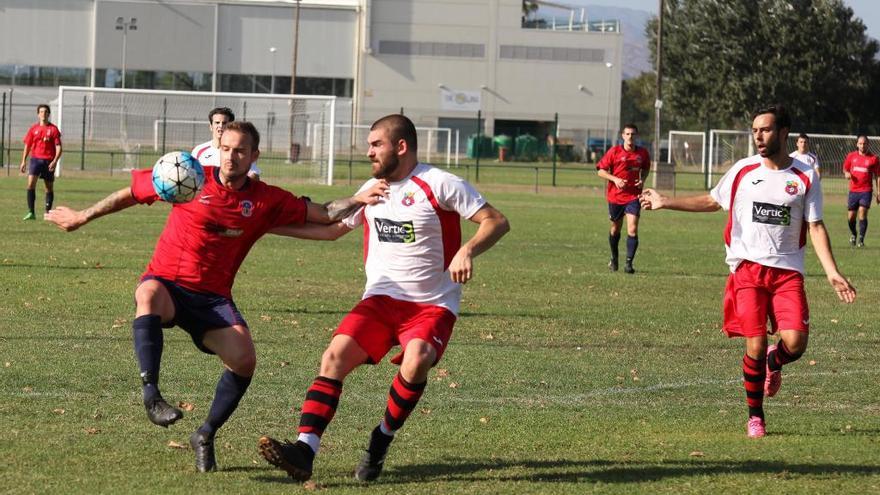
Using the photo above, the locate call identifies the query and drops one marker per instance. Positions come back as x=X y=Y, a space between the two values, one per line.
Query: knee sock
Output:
x=148 y=341
x=613 y=241
x=230 y=390
x=754 y=373
x=318 y=410
x=31 y=199
x=632 y=244
x=402 y=399
x=50 y=198
x=780 y=356
x=852 y=226
x=863 y=227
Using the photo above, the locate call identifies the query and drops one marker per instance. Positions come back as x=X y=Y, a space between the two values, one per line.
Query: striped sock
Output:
x=402 y=399
x=754 y=373
x=780 y=356
x=320 y=405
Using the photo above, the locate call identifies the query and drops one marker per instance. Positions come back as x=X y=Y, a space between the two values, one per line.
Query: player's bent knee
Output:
x=243 y=365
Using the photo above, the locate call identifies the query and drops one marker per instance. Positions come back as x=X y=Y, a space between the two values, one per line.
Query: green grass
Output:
x=562 y=377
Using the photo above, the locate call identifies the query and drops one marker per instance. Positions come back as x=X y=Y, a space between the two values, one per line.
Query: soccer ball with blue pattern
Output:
x=178 y=177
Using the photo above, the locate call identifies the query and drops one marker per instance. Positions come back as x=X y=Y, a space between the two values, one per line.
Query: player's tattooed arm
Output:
x=69 y=220
x=336 y=210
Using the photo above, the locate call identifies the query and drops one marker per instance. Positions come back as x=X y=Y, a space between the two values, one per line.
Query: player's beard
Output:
x=387 y=168
x=771 y=148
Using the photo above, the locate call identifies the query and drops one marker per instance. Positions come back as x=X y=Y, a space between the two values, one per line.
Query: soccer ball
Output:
x=178 y=177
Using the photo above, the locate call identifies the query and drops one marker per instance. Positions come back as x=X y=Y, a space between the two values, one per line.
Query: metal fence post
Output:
x=477 y=150
x=164 y=122
x=3 y=135
x=82 y=139
x=555 y=145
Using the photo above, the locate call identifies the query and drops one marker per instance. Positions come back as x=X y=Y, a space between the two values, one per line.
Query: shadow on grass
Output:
x=568 y=471
x=62 y=267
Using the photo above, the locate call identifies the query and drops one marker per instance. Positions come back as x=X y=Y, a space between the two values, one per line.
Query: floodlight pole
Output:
x=609 y=65
x=658 y=92
x=125 y=25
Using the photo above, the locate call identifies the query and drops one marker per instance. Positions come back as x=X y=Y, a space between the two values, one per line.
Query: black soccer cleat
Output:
x=861 y=242
x=852 y=240
x=628 y=267
x=612 y=265
x=373 y=460
x=203 y=446
x=295 y=459
x=161 y=413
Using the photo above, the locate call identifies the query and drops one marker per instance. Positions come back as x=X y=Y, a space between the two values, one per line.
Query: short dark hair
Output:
x=630 y=126
x=803 y=136
x=43 y=105
x=859 y=136
x=780 y=114
x=247 y=128
x=222 y=111
x=398 y=127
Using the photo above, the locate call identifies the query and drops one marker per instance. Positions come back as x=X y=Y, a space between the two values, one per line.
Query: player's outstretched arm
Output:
x=313 y=231
x=652 y=200
x=69 y=220
x=493 y=226
x=336 y=210
x=819 y=237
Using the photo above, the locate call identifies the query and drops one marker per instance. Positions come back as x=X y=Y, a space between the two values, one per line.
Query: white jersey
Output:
x=768 y=211
x=411 y=236
x=809 y=158
x=207 y=154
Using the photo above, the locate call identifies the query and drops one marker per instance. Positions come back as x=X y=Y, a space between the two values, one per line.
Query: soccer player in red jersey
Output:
x=625 y=168
x=415 y=265
x=188 y=282
x=772 y=202
x=862 y=169
x=43 y=143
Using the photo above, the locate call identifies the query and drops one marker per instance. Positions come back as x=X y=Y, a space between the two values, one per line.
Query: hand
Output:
x=461 y=267
x=845 y=291
x=52 y=165
x=21 y=167
x=877 y=197
x=639 y=183
x=66 y=219
x=652 y=200
x=376 y=192
x=620 y=183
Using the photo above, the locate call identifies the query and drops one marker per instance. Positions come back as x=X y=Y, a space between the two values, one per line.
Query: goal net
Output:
x=131 y=128
x=687 y=151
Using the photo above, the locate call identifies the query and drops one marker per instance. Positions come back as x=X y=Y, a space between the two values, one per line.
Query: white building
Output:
x=439 y=60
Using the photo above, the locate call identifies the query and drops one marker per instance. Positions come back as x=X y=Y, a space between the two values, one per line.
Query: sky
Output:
x=868 y=10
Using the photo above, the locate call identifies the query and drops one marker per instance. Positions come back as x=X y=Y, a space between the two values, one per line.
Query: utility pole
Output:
x=658 y=94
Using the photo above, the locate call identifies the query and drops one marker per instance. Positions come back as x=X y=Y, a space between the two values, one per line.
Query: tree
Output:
x=723 y=58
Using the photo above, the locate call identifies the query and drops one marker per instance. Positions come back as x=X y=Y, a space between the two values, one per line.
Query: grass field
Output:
x=561 y=378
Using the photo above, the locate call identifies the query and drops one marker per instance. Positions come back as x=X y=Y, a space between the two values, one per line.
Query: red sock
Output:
x=402 y=399
x=754 y=373
x=320 y=405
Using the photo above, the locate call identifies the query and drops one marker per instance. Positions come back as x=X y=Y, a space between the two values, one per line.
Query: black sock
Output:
x=781 y=356
x=31 y=199
x=50 y=198
x=379 y=442
x=613 y=241
x=852 y=226
x=230 y=390
x=632 y=244
x=863 y=227
x=148 y=342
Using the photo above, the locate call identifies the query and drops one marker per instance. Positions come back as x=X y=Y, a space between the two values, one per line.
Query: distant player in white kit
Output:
x=415 y=265
x=208 y=153
x=772 y=202
x=805 y=155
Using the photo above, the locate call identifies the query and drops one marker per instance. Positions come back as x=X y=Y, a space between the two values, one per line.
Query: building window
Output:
x=554 y=54
x=31 y=75
x=432 y=49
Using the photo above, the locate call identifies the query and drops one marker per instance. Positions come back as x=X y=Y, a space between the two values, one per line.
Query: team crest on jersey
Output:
x=247 y=208
x=791 y=187
x=408 y=199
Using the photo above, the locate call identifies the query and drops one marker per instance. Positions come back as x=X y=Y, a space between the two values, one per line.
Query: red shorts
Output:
x=379 y=323
x=756 y=292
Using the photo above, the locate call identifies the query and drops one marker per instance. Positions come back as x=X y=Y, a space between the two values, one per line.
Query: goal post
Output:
x=687 y=150
x=431 y=140
x=140 y=124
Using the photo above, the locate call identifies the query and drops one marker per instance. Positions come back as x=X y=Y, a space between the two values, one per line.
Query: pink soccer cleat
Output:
x=774 y=378
x=755 y=427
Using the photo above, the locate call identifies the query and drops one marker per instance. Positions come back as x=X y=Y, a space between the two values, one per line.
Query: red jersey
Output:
x=43 y=139
x=206 y=240
x=861 y=169
x=628 y=165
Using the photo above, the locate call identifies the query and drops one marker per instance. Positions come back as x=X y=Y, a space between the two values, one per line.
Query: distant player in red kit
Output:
x=43 y=143
x=625 y=168
x=862 y=169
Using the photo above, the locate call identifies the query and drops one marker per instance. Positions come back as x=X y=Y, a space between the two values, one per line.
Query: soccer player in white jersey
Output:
x=208 y=153
x=804 y=155
x=415 y=266
x=772 y=202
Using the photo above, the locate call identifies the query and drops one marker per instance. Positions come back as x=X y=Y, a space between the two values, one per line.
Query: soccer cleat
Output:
x=612 y=265
x=161 y=413
x=30 y=216
x=294 y=458
x=861 y=242
x=373 y=460
x=628 y=267
x=755 y=427
x=852 y=240
x=203 y=446
x=774 y=378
